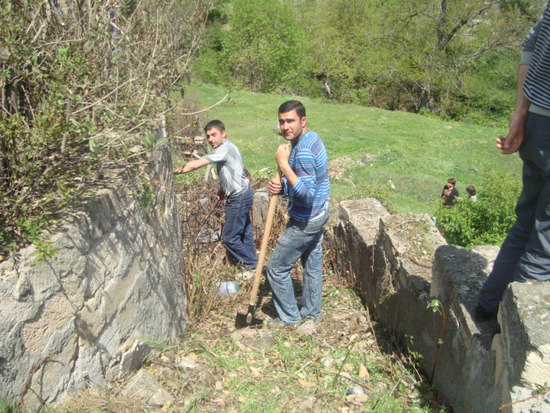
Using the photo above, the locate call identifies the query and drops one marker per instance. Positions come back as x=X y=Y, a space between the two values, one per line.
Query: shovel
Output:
x=248 y=319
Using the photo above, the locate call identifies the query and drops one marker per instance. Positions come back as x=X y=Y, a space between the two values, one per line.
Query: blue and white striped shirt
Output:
x=308 y=159
x=536 y=53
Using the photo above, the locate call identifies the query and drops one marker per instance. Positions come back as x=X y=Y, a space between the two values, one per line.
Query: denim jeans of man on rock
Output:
x=301 y=240
x=237 y=235
x=525 y=253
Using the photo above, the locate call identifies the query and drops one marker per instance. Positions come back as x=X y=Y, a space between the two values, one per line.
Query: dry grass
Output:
x=206 y=264
x=217 y=367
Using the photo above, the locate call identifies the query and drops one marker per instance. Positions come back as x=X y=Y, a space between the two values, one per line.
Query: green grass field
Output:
x=401 y=158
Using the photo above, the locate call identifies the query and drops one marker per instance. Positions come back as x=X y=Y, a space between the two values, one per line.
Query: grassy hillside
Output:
x=401 y=158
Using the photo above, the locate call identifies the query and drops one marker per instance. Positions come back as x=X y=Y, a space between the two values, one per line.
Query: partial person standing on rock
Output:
x=525 y=253
x=237 y=235
x=306 y=182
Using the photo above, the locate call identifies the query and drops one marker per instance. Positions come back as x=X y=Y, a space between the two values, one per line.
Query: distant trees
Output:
x=412 y=55
x=451 y=57
x=253 y=44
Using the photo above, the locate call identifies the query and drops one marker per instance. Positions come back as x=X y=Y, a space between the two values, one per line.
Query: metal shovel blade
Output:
x=248 y=319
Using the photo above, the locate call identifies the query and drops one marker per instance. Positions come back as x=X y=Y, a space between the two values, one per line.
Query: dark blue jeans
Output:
x=237 y=235
x=525 y=253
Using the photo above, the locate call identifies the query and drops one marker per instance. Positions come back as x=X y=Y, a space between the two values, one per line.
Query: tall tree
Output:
x=412 y=54
x=258 y=47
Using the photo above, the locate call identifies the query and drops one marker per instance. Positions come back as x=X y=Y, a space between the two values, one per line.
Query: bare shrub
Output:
x=81 y=82
x=206 y=265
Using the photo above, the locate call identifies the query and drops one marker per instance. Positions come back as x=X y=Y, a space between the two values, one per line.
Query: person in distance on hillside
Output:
x=472 y=194
x=237 y=235
x=449 y=193
x=446 y=195
x=305 y=169
x=525 y=253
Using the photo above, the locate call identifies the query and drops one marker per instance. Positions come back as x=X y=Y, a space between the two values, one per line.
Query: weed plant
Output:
x=80 y=84
x=205 y=261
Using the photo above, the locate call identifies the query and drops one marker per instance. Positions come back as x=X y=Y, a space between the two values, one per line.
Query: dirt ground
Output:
x=343 y=364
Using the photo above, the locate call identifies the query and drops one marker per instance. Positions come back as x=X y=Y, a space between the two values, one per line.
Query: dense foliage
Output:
x=79 y=82
x=258 y=49
x=451 y=58
x=485 y=222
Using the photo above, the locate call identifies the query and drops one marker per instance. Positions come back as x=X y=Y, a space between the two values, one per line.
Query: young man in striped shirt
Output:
x=305 y=180
x=525 y=254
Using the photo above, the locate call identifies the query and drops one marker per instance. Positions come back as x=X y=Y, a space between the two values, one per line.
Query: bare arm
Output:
x=192 y=165
x=516 y=133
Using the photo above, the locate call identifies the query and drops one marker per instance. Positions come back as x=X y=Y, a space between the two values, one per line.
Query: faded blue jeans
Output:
x=301 y=240
x=525 y=253
x=237 y=235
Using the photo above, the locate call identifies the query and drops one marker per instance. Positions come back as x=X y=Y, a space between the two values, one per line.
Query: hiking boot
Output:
x=481 y=314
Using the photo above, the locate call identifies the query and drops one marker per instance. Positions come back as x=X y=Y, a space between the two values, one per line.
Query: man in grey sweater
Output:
x=237 y=235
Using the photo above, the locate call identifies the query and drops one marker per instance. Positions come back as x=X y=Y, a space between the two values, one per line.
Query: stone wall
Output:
x=424 y=292
x=73 y=320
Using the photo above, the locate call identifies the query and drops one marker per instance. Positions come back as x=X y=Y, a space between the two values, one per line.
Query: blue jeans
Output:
x=301 y=240
x=525 y=253
x=237 y=235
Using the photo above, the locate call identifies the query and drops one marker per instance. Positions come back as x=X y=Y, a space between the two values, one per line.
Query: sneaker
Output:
x=313 y=319
x=481 y=314
x=246 y=275
x=278 y=323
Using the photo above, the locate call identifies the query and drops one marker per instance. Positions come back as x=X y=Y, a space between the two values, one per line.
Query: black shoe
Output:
x=481 y=314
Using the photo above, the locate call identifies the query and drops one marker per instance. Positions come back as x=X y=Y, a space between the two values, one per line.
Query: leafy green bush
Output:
x=210 y=65
x=485 y=222
x=259 y=48
x=488 y=96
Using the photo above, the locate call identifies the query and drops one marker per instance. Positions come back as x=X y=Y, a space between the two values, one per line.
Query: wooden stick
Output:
x=263 y=248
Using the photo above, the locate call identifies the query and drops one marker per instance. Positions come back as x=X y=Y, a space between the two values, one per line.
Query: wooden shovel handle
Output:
x=263 y=247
